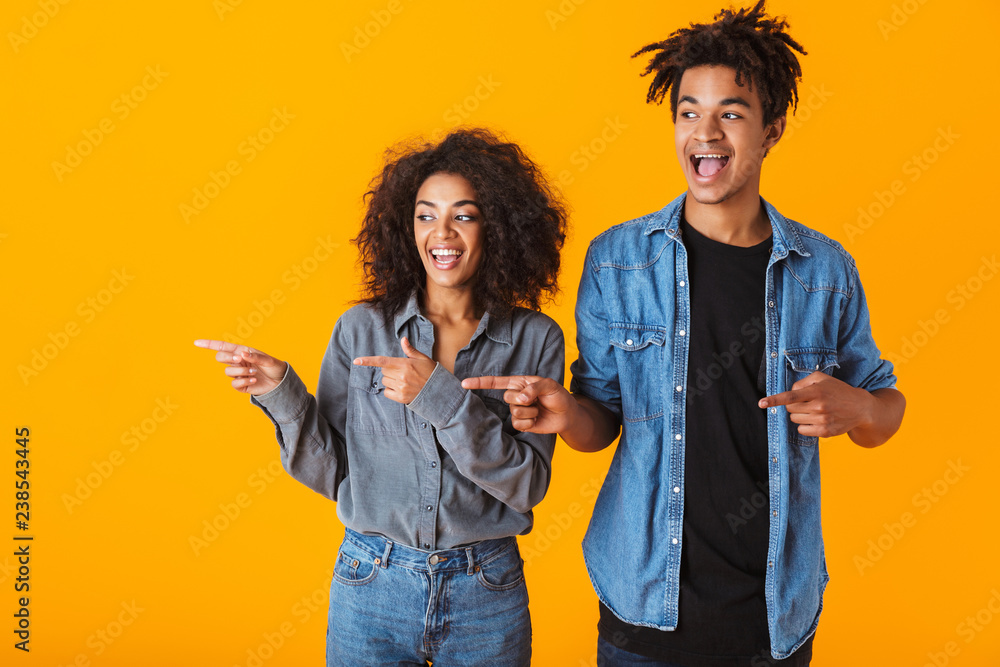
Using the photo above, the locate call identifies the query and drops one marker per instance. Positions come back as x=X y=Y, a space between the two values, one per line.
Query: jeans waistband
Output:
x=467 y=558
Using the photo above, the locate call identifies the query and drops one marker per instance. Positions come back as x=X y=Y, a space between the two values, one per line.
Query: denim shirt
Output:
x=633 y=314
x=447 y=469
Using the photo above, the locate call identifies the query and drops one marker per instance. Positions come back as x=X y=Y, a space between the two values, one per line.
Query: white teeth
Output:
x=704 y=155
x=446 y=251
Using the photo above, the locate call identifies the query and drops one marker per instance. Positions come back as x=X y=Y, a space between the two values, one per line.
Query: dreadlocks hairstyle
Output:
x=749 y=41
x=524 y=223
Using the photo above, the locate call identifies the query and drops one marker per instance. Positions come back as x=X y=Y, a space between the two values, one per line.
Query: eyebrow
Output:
x=722 y=103
x=463 y=202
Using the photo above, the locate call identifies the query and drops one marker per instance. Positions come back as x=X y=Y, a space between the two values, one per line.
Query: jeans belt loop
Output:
x=385 y=554
x=471 y=559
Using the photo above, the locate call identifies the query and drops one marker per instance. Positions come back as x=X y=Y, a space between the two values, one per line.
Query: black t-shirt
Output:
x=722 y=620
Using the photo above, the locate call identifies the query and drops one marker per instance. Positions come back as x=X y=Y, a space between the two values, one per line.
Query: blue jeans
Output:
x=396 y=605
x=609 y=655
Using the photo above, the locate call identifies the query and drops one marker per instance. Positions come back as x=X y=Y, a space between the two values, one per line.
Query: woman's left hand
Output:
x=402 y=377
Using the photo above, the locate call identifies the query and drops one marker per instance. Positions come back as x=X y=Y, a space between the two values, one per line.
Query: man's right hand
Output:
x=537 y=404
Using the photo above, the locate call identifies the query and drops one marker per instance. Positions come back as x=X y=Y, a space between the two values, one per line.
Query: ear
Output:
x=774 y=132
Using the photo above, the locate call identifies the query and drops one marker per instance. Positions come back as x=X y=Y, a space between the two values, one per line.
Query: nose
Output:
x=444 y=228
x=708 y=129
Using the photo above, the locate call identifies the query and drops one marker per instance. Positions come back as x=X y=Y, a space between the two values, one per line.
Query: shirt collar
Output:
x=785 y=237
x=497 y=329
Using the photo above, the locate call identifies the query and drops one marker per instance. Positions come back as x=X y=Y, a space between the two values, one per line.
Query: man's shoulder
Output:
x=819 y=244
x=632 y=243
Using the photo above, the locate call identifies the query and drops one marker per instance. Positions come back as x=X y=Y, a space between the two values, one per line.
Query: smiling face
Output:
x=447 y=226
x=720 y=136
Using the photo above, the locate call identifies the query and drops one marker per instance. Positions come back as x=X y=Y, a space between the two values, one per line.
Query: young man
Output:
x=721 y=339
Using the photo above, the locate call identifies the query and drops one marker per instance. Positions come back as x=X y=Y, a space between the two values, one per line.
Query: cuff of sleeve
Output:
x=440 y=397
x=287 y=401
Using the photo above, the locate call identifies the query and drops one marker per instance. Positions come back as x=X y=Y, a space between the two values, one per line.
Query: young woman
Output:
x=459 y=246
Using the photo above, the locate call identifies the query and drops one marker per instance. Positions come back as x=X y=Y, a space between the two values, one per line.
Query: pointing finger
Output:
x=380 y=362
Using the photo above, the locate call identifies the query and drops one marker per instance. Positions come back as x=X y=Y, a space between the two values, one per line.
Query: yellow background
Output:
x=884 y=82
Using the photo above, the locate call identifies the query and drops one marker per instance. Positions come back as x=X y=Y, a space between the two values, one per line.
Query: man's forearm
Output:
x=883 y=419
x=592 y=427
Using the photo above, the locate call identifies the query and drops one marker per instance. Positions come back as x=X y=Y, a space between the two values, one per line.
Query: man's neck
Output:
x=740 y=222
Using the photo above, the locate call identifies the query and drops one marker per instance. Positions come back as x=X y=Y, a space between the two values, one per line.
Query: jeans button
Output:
x=434 y=560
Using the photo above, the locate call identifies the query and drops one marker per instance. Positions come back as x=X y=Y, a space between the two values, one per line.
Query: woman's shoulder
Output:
x=525 y=319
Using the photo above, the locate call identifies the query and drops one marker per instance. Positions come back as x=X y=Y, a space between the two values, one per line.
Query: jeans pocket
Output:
x=355 y=566
x=800 y=363
x=502 y=573
x=370 y=411
x=639 y=351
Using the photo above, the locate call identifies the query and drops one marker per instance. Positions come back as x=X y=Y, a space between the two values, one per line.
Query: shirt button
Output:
x=673 y=541
x=423 y=424
x=771 y=304
x=374 y=383
x=817 y=366
x=774 y=355
x=682 y=283
x=775 y=512
x=680 y=388
x=426 y=546
x=681 y=332
x=628 y=342
x=430 y=507
x=774 y=410
x=775 y=459
x=677 y=437
x=677 y=489
x=434 y=464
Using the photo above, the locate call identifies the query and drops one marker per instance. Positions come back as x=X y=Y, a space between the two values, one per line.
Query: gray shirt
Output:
x=444 y=471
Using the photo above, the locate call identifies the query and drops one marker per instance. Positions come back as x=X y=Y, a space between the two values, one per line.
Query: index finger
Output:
x=499 y=381
x=381 y=362
x=217 y=345
x=784 y=398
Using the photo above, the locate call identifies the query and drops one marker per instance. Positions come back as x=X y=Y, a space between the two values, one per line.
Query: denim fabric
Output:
x=633 y=316
x=446 y=470
x=609 y=655
x=394 y=605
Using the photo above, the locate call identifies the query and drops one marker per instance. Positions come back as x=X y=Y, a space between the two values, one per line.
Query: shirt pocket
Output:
x=493 y=398
x=639 y=350
x=800 y=363
x=370 y=411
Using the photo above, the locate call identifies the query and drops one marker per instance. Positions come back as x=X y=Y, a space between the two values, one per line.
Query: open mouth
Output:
x=709 y=164
x=445 y=257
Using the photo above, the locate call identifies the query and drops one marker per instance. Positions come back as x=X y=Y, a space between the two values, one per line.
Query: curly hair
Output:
x=524 y=223
x=748 y=41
